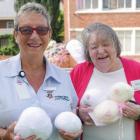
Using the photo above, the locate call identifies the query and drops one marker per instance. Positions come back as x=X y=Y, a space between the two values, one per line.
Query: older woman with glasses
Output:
x=29 y=80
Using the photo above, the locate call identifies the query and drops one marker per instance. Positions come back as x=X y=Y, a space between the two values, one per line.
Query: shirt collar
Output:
x=52 y=72
x=14 y=67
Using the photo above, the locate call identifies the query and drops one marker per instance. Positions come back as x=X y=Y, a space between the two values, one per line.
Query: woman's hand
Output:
x=83 y=114
x=131 y=110
x=28 y=138
x=9 y=132
x=70 y=136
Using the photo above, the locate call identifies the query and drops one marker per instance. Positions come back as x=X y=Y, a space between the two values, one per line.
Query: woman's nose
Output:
x=34 y=34
x=100 y=49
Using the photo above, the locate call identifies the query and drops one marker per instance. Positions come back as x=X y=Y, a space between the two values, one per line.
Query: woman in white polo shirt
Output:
x=28 y=79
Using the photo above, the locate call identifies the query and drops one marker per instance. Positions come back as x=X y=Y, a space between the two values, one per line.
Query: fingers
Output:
x=69 y=135
x=11 y=127
x=130 y=112
x=88 y=121
x=17 y=137
x=10 y=132
x=84 y=115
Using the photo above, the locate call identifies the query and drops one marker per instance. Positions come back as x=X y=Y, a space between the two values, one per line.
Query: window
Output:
x=137 y=50
x=80 y=4
x=10 y=24
x=116 y=4
x=128 y=3
x=95 y=4
x=107 y=4
x=137 y=3
x=125 y=38
x=87 y=4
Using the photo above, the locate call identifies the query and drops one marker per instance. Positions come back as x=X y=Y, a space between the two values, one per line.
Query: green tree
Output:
x=56 y=15
x=10 y=47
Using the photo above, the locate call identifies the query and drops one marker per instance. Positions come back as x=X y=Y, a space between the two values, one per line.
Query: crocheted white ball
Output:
x=107 y=112
x=68 y=122
x=121 y=92
x=91 y=98
x=34 y=121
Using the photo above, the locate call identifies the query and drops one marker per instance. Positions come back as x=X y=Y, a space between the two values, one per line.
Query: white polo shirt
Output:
x=55 y=95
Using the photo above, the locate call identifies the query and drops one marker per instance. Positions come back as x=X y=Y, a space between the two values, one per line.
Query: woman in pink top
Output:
x=104 y=67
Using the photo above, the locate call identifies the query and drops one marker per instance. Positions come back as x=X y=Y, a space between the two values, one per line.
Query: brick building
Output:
x=7 y=14
x=122 y=15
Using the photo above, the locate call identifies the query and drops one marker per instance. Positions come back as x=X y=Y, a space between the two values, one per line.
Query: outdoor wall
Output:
x=75 y=20
x=7 y=9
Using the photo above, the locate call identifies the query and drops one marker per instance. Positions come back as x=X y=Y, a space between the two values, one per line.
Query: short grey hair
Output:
x=32 y=7
x=100 y=27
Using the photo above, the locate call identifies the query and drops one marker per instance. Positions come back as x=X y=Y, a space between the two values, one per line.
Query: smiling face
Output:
x=102 y=52
x=34 y=43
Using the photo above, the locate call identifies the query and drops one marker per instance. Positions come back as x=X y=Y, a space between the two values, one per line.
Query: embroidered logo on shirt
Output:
x=49 y=92
x=65 y=98
x=49 y=95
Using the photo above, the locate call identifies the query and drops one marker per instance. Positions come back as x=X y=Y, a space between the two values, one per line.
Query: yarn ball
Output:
x=68 y=122
x=121 y=92
x=106 y=112
x=34 y=121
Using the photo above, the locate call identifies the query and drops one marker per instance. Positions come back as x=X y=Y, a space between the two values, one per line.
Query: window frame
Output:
x=100 y=8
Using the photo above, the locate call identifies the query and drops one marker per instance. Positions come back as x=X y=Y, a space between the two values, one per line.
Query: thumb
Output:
x=16 y=137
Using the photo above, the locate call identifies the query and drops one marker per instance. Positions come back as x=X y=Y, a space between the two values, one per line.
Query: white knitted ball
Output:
x=68 y=122
x=121 y=92
x=106 y=112
x=92 y=97
x=34 y=121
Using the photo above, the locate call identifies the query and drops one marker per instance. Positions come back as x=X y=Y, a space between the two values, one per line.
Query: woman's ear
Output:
x=15 y=35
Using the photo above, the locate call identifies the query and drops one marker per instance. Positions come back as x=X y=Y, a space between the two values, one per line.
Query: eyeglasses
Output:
x=27 y=30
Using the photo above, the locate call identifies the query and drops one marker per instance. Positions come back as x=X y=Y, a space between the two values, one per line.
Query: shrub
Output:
x=10 y=47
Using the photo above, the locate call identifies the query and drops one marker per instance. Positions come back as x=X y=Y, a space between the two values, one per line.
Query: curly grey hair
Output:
x=32 y=7
x=100 y=27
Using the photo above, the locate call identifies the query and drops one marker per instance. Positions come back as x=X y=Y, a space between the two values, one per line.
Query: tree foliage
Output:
x=10 y=48
x=56 y=15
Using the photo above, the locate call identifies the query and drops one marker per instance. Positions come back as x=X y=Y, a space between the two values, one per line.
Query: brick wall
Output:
x=81 y=20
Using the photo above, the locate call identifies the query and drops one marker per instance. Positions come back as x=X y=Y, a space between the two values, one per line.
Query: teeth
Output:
x=102 y=57
x=34 y=46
